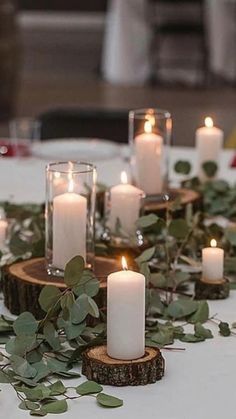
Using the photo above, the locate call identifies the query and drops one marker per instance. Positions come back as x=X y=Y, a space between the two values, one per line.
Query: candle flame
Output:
x=208 y=122
x=123 y=177
x=57 y=175
x=213 y=243
x=124 y=263
x=147 y=127
x=71 y=186
x=151 y=118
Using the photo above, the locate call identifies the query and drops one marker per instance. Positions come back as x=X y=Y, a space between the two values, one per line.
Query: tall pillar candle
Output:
x=148 y=159
x=125 y=315
x=209 y=142
x=212 y=262
x=125 y=204
x=69 y=227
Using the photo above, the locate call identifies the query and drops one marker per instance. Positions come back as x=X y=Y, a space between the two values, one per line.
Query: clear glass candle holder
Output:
x=123 y=207
x=69 y=213
x=149 y=137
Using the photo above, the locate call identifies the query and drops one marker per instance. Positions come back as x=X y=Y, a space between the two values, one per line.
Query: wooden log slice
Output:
x=217 y=290
x=99 y=367
x=23 y=281
x=157 y=203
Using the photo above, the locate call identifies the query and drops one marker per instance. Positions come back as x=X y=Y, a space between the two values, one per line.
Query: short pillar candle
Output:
x=125 y=205
x=209 y=142
x=125 y=314
x=212 y=263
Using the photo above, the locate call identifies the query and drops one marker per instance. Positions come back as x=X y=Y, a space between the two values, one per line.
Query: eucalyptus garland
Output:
x=38 y=355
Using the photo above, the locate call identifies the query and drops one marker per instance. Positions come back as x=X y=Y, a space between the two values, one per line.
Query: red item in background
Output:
x=11 y=150
x=233 y=164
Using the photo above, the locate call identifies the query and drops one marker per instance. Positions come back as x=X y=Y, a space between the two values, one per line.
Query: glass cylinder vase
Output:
x=124 y=205
x=69 y=214
x=149 y=137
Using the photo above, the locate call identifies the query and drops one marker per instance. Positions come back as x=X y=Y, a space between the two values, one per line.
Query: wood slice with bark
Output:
x=99 y=367
x=23 y=281
x=217 y=290
x=158 y=205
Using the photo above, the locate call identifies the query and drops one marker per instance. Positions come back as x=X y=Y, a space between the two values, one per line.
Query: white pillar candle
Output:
x=148 y=148
x=212 y=262
x=3 y=232
x=209 y=142
x=125 y=314
x=125 y=203
x=69 y=227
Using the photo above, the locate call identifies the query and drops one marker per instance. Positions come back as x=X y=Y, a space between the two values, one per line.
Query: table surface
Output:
x=199 y=382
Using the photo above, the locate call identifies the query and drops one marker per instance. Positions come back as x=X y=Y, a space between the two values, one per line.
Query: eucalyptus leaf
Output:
x=57 y=388
x=163 y=337
x=48 y=297
x=183 y=167
x=146 y=255
x=93 y=308
x=87 y=284
x=58 y=406
x=178 y=228
x=80 y=309
x=181 y=308
x=201 y=315
x=21 y=367
x=201 y=331
x=224 y=329
x=88 y=387
x=158 y=280
x=108 y=401
x=51 y=336
x=147 y=221
x=230 y=235
x=73 y=271
x=25 y=324
x=4 y=377
x=190 y=338
x=210 y=168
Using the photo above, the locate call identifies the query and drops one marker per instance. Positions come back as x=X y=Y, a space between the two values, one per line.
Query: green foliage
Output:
x=178 y=228
x=106 y=400
x=42 y=350
x=182 y=167
x=89 y=387
x=210 y=168
x=224 y=329
x=181 y=308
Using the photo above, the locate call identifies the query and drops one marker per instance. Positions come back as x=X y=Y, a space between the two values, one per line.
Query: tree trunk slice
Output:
x=23 y=281
x=99 y=367
x=217 y=290
x=157 y=204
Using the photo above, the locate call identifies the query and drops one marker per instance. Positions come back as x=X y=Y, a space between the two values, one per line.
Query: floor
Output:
x=61 y=67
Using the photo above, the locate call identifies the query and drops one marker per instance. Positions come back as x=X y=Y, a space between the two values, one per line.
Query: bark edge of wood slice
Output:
x=217 y=290
x=99 y=367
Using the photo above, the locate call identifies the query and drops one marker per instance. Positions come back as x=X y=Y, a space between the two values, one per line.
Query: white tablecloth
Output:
x=127 y=40
x=199 y=382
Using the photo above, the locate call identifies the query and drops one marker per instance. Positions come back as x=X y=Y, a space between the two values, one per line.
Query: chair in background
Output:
x=92 y=123
x=174 y=20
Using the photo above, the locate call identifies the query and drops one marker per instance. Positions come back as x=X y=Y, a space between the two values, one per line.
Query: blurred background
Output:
x=83 y=59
